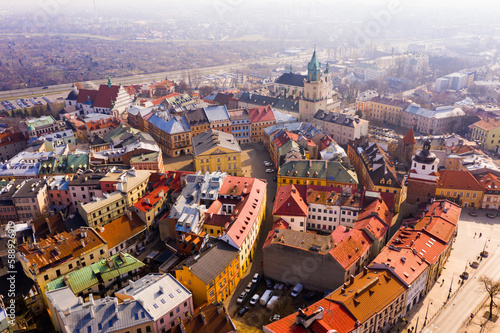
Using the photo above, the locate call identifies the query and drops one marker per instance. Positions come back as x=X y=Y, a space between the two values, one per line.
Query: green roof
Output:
x=38 y=122
x=316 y=169
x=64 y=164
x=87 y=277
x=145 y=157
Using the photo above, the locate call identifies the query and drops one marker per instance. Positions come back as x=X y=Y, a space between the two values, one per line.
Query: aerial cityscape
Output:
x=228 y=166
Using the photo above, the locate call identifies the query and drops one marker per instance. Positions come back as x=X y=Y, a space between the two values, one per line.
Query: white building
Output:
x=339 y=126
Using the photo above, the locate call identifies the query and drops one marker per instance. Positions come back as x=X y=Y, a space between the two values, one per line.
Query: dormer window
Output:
x=382 y=181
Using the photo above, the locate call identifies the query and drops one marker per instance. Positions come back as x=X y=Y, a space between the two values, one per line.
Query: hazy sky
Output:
x=24 y=5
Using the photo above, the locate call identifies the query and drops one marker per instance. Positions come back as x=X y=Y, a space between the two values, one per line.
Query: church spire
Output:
x=109 y=81
x=314 y=68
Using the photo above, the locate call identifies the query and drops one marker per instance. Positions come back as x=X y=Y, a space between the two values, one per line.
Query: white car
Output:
x=268 y=164
x=255 y=278
x=265 y=162
x=255 y=299
x=269 y=170
x=241 y=298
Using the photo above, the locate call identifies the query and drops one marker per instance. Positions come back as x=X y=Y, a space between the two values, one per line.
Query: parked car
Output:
x=275 y=317
x=269 y=170
x=139 y=250
x=310 y=295
x=272 y=302
x=242 y=311
x=255 y=299
x=297 y=289
x=248 y=287
x=265 y=297
x=268 y=164
x=255 y=278
x=241 y=298
x=45 y=88
x=265 y=162
x=269 y=284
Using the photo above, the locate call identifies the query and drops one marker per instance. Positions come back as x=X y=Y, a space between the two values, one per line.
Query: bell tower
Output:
x=314 y=98
x=423 y=176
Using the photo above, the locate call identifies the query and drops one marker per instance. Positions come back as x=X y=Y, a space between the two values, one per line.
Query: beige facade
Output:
x=103 y=211
x=31 y=200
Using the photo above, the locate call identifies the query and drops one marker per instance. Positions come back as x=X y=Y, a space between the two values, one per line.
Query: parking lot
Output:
x=259 y=315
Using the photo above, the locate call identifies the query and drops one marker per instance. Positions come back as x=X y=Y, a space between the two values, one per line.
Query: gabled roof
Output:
x=407 y=265
x=209 y=141
x=437 y=227
x=89 y=276
x=106 y=96
x=162 y=290
x=490 y=182
x=260 y=114
x=458 y=180
x=445 y=209
x=216 y=113
x=426 y=247
x=292 y=79
x=84 y=94
x=351 y=248
x=211 y=262
x=289 y=202
x=121 y=229
x=335 y=317
x=369 y=293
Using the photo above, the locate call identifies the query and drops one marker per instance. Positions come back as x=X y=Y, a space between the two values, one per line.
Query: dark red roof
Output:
x=289 y=202
x=84 y=93
x=335 y=317
x=459 y=180
x=105 y=95
x=263 y=113
x=409 y=138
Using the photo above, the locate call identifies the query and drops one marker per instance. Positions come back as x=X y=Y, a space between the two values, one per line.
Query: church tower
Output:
x=315 y=96
x=423 y=176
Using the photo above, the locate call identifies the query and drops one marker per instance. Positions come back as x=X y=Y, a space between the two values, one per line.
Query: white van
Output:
x=297 y=289
x=265 y=297
x=272 y=302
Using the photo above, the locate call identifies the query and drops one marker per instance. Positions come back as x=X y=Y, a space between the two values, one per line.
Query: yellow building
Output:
x=131 y=182
x=460 y=187
x=386 y=109
x=312 y=172
x=217 y=151
x=213 y=275
x=487 y=132
x=55 y=256
x=99 y=213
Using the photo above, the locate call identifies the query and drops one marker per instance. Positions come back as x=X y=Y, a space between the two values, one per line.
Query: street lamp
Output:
x=449 y=294
x=426 y=312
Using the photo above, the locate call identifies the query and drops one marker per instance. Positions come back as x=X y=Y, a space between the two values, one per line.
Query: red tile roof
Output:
x=373 y=225
x=445 y=209
x=340 y=233
x=351 y=248
x=289 y=202
x=418 y=241
x=379 y=209
x=8 y=138
x=153 y=197
x=437 y=227
x=489 y=181
x=460 y=180
x=121 y=229
x=260 y=114
x=335 y=317
x=106 y=95
x=407 y=265
x=280 y=224
x=409 y=138
x=248 y=209
x=236 y=185
x=84 y=93
x=487 y=124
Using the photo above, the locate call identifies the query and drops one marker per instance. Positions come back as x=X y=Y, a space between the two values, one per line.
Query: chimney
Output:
x=91 y=299
x=83 y=242
x=203 y=318
x=162 y=290
x=365 y=270
x=351 y=279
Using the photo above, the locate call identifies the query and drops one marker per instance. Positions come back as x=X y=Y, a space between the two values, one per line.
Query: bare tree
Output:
x=493 y=290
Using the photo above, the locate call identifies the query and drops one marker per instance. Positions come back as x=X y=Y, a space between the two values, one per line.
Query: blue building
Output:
x=240 y=125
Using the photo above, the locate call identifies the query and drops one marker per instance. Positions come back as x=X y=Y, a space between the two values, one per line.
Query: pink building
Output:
x=83 y=187
x=59 y=195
